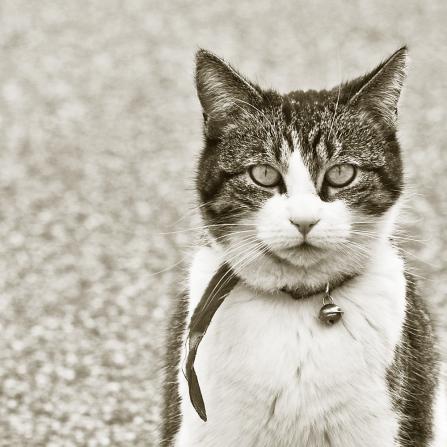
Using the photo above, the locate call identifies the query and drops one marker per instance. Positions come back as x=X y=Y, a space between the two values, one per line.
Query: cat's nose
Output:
x=304 y=226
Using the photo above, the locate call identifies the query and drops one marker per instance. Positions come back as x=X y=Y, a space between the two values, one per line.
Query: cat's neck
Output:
x=270 y=274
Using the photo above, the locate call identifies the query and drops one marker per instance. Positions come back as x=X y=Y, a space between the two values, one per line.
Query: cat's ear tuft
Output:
x=221 y=89
x=379 y=91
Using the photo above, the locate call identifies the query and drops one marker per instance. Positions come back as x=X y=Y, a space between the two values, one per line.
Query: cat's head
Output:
x=298 y=189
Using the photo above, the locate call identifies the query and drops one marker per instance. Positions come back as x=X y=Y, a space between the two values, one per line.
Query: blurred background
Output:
x=100 y=130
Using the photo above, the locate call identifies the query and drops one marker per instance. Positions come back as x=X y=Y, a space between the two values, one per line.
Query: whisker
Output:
x=204 y=227
x=190 y=213
x=226 y=275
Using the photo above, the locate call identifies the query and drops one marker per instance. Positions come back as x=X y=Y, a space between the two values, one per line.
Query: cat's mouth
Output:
x=301 y=248
x=306 y=246
x=302 y=251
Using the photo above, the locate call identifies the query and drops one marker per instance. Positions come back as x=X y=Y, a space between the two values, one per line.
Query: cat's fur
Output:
x=271 y=373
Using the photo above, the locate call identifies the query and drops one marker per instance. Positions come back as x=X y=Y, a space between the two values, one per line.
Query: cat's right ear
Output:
x=222 y=91
x=378 y=92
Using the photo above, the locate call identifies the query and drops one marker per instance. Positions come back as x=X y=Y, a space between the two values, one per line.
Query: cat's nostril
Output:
x=304 y=227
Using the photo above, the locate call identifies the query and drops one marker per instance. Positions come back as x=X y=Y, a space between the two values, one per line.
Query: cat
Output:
x=299 y=193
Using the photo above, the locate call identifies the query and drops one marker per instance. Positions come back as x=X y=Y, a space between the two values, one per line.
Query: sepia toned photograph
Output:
x=223 y=224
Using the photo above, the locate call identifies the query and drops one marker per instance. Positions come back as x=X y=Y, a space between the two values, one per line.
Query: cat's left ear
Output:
x=379 y=91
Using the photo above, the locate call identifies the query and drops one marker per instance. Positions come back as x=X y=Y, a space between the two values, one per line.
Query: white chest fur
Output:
x=272 y=375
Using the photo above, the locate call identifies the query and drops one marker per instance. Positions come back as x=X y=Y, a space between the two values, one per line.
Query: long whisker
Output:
x=190 y=213
x=204 y=227
x=218 y=285
x=377 y=237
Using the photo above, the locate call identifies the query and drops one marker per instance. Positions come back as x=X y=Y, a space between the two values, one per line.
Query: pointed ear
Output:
x=221 y=89
x=379 y=91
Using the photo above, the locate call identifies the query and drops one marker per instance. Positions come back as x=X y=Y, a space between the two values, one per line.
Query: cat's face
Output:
x=297 y=189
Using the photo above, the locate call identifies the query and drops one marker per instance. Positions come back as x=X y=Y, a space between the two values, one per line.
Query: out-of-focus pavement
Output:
x=99 y=131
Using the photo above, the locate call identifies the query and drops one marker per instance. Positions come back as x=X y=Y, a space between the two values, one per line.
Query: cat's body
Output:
x=271 y=373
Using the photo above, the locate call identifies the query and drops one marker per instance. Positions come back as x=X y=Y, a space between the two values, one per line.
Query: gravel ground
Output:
x=99 y=128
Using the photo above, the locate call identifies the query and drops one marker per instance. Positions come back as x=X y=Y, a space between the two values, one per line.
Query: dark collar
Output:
x=307 y=292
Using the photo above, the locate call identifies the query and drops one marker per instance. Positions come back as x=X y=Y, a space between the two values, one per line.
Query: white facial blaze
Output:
x=303 y=204
x=297 y=179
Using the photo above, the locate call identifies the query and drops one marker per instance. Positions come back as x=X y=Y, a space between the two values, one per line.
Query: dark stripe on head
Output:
x=315 y=139
x=289 y=140
x=330 y=147
x=287 y=111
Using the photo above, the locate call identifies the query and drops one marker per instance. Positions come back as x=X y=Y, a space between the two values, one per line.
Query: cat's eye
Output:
x=340 y=175
x=265 y=175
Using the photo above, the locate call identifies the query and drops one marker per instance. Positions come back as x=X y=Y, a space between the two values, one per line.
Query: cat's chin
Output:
x=308 y=268
x=302 y=256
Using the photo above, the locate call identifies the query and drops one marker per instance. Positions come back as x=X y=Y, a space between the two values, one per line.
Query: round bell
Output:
x=330 y=314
